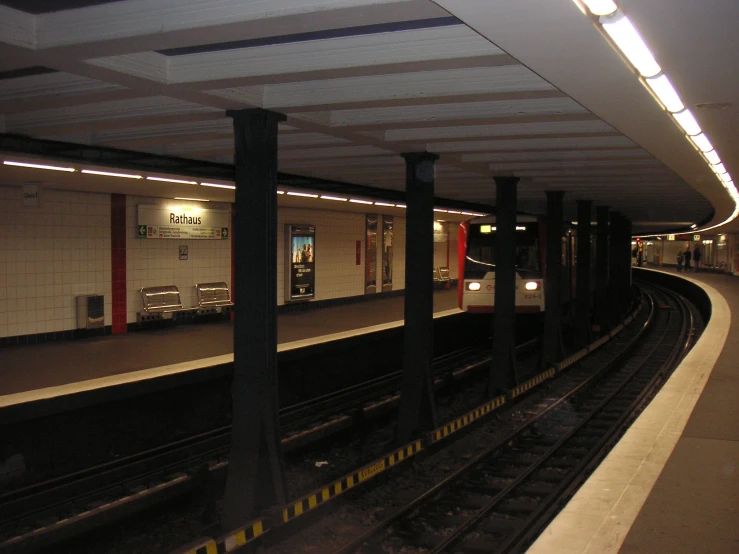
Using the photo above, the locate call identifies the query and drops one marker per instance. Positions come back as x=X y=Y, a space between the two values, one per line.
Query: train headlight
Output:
x=531 y=285
x=473 y=286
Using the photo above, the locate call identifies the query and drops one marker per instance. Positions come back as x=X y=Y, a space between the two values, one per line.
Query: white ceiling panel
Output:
x=531 y=144
x=52 y=84
x=468 y=110
x=510 y=129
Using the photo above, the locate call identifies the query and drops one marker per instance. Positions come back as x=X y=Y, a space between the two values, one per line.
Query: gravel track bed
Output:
x=170 y=526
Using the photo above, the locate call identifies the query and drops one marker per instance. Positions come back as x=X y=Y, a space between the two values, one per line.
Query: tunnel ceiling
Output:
x=512 y=87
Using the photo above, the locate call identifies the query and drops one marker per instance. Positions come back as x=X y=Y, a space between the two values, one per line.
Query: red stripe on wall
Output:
x=118 y=261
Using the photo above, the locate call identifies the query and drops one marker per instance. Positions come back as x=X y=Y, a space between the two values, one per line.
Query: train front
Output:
x=476 y=250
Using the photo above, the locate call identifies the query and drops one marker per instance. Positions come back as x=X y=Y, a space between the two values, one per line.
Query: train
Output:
x=476 y=258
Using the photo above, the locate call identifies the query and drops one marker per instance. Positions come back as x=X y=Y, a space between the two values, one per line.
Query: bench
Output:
x=213 y=294
x=165 y=302
x=441 y=276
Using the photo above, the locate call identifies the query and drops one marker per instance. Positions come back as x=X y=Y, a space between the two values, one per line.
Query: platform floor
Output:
x=33 y=367
x=671 y=485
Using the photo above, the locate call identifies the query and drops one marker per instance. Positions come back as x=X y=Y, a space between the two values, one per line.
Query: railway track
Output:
x=501 y=499
x=57 y=509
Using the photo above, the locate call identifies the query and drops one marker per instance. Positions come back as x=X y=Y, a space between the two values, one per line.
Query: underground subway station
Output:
x=364 y=276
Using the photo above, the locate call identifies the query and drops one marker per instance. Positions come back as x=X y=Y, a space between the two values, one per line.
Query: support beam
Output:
x=626 y=299
x=552 y=340
x=582 y=323
x=601 y=269
x=256 y=476
x=417 y=412
x=615 y=256
x=503 y=375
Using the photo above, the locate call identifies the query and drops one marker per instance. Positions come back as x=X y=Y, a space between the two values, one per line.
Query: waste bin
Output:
x=90 y=311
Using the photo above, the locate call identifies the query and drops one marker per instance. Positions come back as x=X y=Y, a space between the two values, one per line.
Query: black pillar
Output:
x=551 y=348
x=601 y=269
x=626 y=300
x=615 y=270
x=582 y=323
x=503 y=375
x=256 y=477
x=417 y=410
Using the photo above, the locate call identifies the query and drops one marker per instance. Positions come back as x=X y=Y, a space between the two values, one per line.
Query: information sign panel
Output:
x=162 y=222
x=370 y=256
x=301 y=261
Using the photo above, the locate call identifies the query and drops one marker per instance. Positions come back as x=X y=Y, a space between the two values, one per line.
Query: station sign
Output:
x=696 y=238
x=168 y=222
x=670 y=237
x=301 y=254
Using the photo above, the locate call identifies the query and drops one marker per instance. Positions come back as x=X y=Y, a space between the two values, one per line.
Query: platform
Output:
x=115 y=359
x=671 y=484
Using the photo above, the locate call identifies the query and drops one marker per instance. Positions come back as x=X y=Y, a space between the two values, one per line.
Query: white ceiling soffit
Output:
x=694 y=42
x=523 y=87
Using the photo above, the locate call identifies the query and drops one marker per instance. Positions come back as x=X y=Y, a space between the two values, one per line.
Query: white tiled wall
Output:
x=49 y=255
x=155 y=262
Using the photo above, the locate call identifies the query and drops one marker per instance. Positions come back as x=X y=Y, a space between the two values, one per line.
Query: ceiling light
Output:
x=712 y=157
x=467 y=213
x=304 y=194
x=438 y=210
x=627 y=38
x=41 y=166
x=401 y=206
x=693 y=226
x=384 y=204
x=702 y=142
x=218 y=186
x=600 y=7
x=664 y=90
x=686 y=120
x=359 y=201
x=192 y=199
x=479 y=215
x=334 y=198
x=280 y=192
x=109 y=174
x=725 y=177
x=719 y=168
x=180 y=181
x=454 y=212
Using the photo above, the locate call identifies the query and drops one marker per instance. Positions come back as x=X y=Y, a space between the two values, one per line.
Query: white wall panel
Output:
x=49 y=255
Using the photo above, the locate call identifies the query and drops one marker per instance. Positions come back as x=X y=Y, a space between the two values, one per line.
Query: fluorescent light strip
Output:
x=663 y=89
x=167 y=180
x=110 y=174
x=303 y=194
x=725 y=177
x=359 y=201
x=438 y=210
x=336 y=198
x=41 y=166
x=467 y=213
x=702 y=142
x=628 y=40
x=280 y=192
x=688 y=123
x=719 y=168
x=454 y=212
x=384 y=204
x=218 y=186
x=600 y=7
x=712 y=157
x=192 y=199
x=401 y=206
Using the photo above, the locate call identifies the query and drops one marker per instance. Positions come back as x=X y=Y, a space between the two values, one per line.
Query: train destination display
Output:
x=301 y=251
x=175 y=222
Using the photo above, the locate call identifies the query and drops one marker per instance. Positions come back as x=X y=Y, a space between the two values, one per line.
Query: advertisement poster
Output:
x=387 y=253
x=301 y=249
x=370 y=257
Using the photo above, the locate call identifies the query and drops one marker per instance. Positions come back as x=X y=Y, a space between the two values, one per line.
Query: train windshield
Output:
x=481 y=250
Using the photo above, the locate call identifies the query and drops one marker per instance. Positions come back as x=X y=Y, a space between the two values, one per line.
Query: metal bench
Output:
x=213 y=295
x=159 y=303
x=441 y=276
